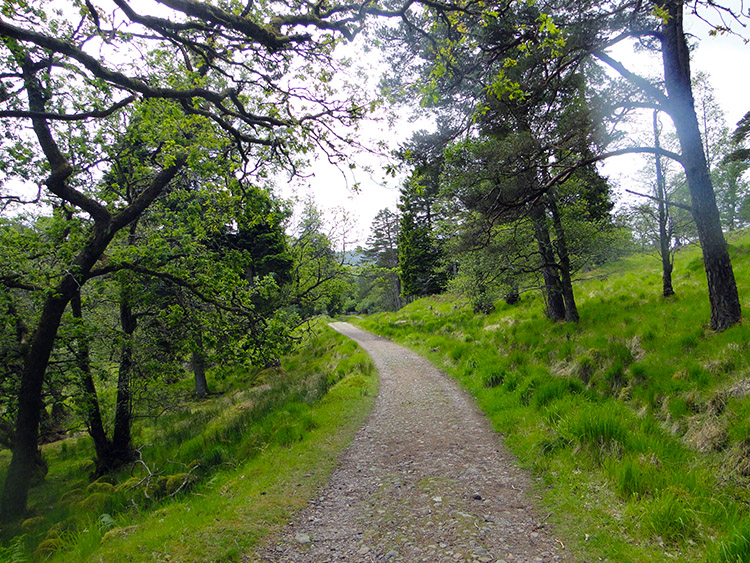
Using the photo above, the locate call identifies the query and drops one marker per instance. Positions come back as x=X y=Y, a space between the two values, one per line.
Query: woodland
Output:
x=149 y=264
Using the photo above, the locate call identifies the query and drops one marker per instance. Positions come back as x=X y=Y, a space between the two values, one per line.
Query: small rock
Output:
x=437 y=499
x=363 y=550
x=302 y=538
x=476 y=496
x=391 y=554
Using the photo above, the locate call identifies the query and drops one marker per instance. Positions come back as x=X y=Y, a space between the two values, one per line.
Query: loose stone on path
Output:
x=426 y=479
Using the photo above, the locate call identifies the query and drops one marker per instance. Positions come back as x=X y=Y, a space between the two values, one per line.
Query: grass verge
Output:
x=634 y=420
x=227 y=472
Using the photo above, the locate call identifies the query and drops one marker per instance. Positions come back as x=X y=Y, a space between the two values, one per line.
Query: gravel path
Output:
x=426 y=479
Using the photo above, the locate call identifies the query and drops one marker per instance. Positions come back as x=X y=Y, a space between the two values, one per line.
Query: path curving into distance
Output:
x=426 y=479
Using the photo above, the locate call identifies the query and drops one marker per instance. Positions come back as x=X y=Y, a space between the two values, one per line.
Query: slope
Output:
x=635 y=420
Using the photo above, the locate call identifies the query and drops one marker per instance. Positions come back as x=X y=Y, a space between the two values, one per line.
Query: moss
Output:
x=157 y=488
x=30 y=524
x=47 y=547
x=118 y=533
x=95 y=502
x=108 y=479
x=57 y=529
x=128 y=485
x=74 y=495
x=101 y=487
x=86 y=465
x=177 y=481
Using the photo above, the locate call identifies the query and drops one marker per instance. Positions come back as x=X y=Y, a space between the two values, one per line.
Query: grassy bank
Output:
x=217 y=475
x=636 y=420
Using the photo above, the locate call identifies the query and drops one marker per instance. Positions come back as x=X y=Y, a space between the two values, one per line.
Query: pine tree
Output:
x=419 y=252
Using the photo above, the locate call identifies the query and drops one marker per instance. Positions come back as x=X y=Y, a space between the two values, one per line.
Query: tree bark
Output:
x=665 y=250
x=121 y=451
x=561 y=245
x=722 y=287
x=552 y=283
x=26 y=435
x=92 y=411
x=198 y=363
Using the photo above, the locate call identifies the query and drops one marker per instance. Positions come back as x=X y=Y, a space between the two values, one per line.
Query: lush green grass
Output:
x=217 y=475
x=636 y=419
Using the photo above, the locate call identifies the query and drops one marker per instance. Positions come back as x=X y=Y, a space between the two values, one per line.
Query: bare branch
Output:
x=667 y=202
x=70 y=116
x=635 y=79
x=61 y=169
x=104 y=73
x=568 y=171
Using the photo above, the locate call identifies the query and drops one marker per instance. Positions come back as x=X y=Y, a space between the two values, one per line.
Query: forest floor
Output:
x=426 y=479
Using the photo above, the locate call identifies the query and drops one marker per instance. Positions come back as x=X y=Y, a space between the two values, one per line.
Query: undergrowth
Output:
x=635 y=420
x=214 y=477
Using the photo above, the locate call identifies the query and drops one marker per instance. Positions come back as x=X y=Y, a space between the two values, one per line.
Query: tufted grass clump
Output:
x=735 y=548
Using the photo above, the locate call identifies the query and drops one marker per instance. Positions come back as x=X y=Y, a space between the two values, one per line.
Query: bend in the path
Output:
x=426 y=479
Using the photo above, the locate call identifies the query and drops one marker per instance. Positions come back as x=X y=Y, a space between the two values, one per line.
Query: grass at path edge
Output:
x=228 y=517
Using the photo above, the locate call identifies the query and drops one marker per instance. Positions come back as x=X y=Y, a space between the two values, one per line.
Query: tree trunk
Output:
x=199 y=367
x=511 y=295
x=722 y=287
x=121 y=451
x=552 y=284
x=25 y=445
x=561 y=244
x=399 y=302
x=91 y=410
x=26 y=435
x=665 y=250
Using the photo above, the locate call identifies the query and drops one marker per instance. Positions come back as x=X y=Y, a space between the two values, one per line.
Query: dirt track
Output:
x=426 y=479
